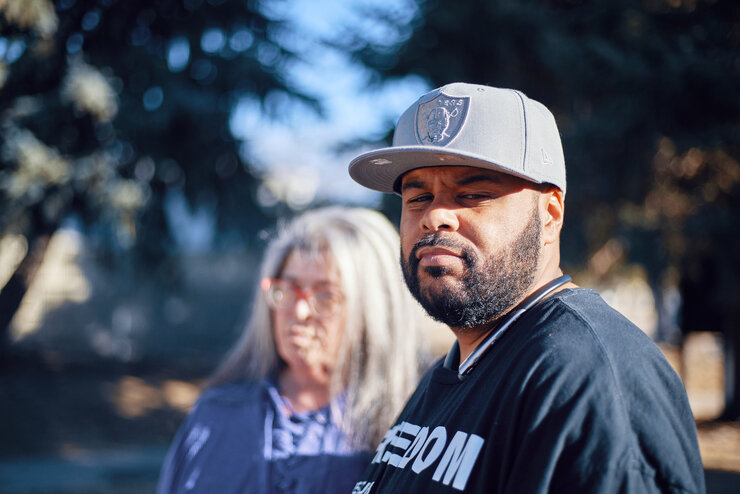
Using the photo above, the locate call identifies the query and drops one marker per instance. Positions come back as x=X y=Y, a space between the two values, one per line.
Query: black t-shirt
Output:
x=574 y=398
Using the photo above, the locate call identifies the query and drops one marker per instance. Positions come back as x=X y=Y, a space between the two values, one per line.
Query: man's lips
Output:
x=435 y=256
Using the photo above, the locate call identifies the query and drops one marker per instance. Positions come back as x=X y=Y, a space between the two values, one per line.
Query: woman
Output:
x=329 y=356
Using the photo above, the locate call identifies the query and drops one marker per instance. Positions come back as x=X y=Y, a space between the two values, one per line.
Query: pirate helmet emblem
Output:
x=438 y=121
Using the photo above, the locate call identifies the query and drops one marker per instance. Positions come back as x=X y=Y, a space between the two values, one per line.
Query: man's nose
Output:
x=440 y=216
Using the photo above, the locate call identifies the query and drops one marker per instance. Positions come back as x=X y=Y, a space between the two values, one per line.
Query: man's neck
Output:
x=469 y=338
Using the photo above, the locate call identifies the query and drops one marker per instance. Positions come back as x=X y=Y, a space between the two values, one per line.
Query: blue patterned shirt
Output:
x=245 y=438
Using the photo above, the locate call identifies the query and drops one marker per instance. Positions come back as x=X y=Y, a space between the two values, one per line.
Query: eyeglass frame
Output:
x=309 y=295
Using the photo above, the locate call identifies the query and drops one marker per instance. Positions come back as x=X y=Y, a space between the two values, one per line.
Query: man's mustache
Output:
x=437 y=240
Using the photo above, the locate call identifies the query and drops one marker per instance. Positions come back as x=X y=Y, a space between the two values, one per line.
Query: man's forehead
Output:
x=454 y=173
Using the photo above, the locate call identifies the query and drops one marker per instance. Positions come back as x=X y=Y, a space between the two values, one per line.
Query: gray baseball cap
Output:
x=464 y=124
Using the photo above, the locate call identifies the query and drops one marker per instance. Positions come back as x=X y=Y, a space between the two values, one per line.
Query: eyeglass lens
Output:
x=283 y=294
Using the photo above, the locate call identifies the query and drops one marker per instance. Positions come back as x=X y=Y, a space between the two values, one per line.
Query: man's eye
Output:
x=421 y=198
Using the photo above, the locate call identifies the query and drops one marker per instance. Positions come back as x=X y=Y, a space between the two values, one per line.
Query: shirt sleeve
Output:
x=593 y=421
x=173 y=462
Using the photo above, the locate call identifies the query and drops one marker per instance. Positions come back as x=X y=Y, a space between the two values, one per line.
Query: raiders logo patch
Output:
x=438 y=121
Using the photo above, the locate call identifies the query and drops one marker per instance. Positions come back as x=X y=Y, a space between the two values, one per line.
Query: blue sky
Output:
x=295 y=153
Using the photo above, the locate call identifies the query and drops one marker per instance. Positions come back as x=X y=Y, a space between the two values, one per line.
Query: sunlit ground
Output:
x=702 y=374
x=134 y=397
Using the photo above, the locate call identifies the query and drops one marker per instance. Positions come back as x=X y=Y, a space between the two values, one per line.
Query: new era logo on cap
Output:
x=546 y=160
x=468 y=125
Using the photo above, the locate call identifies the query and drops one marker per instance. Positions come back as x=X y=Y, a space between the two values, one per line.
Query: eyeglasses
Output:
x=283 y=295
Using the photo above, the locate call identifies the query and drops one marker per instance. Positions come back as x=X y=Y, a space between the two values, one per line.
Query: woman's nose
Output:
x=302 y=309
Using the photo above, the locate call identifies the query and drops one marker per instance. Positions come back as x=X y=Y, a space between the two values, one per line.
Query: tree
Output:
x=109 y=108
x=647 y=97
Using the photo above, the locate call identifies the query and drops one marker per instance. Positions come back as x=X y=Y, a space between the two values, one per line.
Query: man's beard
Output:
x=489 y=288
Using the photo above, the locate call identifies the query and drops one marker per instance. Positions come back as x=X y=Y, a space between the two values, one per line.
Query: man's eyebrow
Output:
x=478 y=178
x=412 y=184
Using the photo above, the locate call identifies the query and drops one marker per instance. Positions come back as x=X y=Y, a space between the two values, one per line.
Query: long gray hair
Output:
x=383 y=346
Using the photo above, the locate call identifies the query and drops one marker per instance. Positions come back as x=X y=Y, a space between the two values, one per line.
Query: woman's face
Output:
x=309 y=327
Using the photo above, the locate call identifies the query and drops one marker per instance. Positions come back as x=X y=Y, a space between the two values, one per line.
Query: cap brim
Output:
x=381 y=169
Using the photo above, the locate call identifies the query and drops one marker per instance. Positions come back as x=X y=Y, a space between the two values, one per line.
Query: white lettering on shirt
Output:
x=458 y=459
x=433 y=447
x=362 y=487
x=192 y=478
x=197 y=437
x=455 y=459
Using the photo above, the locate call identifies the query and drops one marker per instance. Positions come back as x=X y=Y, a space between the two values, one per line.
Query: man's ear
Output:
x=552 y=211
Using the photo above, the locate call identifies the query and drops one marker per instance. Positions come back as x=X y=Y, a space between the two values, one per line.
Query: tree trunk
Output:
x=732 y=375
x=13 y=292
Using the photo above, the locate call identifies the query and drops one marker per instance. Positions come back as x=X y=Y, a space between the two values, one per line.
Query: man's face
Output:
x=470 y=242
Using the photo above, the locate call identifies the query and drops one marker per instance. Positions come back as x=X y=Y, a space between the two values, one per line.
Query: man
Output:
x=547 y=388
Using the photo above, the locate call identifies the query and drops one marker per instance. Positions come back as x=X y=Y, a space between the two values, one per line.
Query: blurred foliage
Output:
x=646 y=94
x=647 y=97
x=110 y=108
